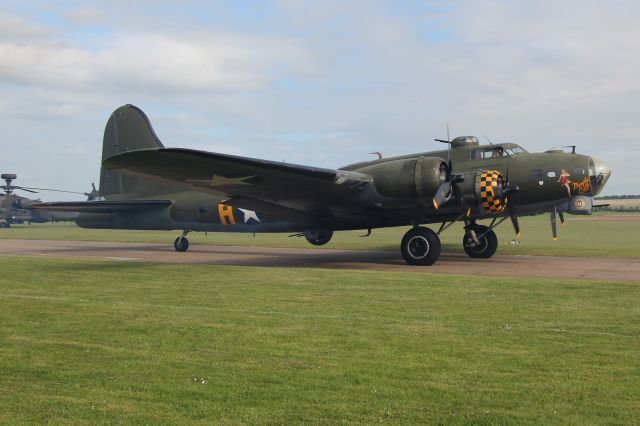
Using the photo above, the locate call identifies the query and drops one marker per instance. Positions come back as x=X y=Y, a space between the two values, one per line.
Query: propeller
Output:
x=561 y=215
x=444 y=191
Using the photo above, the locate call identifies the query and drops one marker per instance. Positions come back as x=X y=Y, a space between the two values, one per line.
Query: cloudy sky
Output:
x=317 y=82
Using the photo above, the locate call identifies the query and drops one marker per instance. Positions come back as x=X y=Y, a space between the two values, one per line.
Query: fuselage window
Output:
x=552 y=173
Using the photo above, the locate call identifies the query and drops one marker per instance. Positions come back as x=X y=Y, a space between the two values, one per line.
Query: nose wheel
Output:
x=485 y=246
x=181 y=244
x=420 y=246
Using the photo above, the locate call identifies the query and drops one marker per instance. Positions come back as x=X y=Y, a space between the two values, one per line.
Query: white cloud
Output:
x=15 y=28
x=537 y=73
x=85 y=15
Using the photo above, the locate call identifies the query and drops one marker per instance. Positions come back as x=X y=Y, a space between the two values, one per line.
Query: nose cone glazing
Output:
x=599 y=173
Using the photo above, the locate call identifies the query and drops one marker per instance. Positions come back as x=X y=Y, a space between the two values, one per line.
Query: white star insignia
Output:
x=249 y=214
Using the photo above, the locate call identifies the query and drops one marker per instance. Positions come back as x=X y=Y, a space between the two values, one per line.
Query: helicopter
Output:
x=15 y=209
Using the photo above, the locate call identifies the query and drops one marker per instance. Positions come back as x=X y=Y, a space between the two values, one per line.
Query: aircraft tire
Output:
x=181 y=244
x=420 y=247
x=318 y=237
x=487 y=244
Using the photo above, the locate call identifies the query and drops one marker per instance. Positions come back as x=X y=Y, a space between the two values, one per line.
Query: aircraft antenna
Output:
x=489 y=139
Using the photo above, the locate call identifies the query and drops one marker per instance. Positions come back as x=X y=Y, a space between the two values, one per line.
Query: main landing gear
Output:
x=181 y=243
x=483 y=246
x=421 y=246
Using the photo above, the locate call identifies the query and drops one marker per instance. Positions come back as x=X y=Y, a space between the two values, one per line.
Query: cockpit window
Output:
x=484 y=153
x=515 y=150
x=496 y=151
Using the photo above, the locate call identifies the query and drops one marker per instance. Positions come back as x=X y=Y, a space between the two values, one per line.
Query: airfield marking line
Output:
x=124 y=258
x=552 y=267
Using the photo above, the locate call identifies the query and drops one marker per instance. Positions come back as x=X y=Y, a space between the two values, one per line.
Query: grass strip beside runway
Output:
x=110 y=341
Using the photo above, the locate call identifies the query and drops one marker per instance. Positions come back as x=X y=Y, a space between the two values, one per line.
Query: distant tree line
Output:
x=619 y=208
x=618 y=197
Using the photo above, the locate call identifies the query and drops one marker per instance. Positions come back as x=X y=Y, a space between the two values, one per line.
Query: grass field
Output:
x=579 y=237
x=113 y=342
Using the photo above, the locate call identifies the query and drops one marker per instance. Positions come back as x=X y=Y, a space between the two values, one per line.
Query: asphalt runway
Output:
x=457 y=264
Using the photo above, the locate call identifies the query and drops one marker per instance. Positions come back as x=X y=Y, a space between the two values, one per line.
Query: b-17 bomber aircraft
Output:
x=144 y=185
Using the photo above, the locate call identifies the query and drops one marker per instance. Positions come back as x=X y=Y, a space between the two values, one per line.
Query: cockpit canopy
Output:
x=496 y=151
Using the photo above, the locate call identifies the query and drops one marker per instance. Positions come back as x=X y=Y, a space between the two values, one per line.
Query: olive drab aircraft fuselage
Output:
x=144 y=185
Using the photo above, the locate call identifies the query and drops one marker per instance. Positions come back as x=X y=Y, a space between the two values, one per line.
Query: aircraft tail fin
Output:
x=128 y=129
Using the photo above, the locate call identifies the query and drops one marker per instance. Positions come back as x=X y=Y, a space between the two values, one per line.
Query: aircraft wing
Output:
x=291 y=185
x=100 y=206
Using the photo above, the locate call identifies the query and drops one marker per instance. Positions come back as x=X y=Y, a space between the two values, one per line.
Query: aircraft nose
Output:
x=599 y=172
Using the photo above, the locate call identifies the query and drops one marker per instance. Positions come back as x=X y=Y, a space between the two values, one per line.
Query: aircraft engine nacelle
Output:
x=413 y=179
x=485 y=189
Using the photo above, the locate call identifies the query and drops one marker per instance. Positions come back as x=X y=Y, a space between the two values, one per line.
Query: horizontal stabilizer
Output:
x=101 y=206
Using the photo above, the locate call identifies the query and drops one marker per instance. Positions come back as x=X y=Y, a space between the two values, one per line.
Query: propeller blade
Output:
x=514 y=221
x=442 y=195
x=516 y=225
x=561 y=215
x=554 y=230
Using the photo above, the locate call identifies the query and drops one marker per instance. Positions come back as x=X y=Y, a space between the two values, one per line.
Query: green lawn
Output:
x=117 y=342
x=578 y=237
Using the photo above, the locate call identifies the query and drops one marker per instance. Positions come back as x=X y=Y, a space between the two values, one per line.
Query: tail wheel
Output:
x=318 y=237
x=486 y=246
x=420 y=246
x=181 y=244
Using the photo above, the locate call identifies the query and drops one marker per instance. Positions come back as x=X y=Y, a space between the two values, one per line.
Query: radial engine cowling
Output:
x=490 y=187
x=414 y=179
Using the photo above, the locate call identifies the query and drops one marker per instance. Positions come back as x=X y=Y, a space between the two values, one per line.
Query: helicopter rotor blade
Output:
x=25 y=189
x=48 y=189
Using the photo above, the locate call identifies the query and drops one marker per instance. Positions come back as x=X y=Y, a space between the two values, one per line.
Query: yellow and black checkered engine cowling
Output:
x=489 y=189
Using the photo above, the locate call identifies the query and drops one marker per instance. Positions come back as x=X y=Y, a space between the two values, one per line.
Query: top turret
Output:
x=464 y=141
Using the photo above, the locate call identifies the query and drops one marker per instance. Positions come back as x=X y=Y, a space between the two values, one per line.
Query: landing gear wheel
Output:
x=318 y=237
x=487 y=243
x=420 y=246
x=181 y=244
